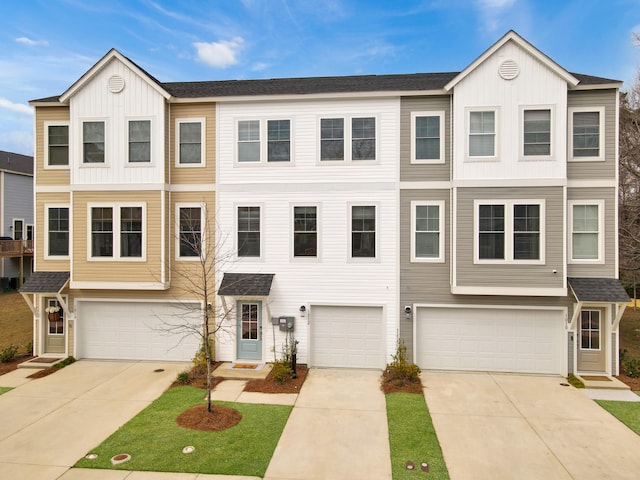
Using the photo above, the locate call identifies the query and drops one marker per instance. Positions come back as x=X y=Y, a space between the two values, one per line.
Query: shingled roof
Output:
x=15 y=162
x=246 y=284
x=607 y=290
x=45 y=282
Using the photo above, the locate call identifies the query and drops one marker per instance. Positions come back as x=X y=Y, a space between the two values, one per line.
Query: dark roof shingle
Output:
x=45 y=282
x=15 y=162
x=246 y=284
x=598 y=290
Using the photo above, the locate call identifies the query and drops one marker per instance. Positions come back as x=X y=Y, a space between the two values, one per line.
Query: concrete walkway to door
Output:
x=494 y=426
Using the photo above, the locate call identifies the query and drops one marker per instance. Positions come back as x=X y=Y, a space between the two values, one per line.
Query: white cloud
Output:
x=32 y=43
x=15 y=107
x=17 y=142
x=259 y=66
x=491 y=12
x=219 y=54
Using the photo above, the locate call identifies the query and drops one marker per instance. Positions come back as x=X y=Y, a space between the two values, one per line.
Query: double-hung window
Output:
x=102 y=232
x=248 y=141
x=117 y=232
x=587 y=126
x=363 y=138
x=347 y=139
x=427 y=231
x=57 y=145
x=363 y=231
x=248 y=231
x=482 y=133
x=491 y=232
x=93 y=142
x=258 y=140
x=586 y=221
x=190 y=142
x=332 y=139
x=526 y=232
x=58 y=231
x=139 y=141
x=427 y=144
x=536 y=133
x=305 y=231
x=278 y=141
x=131 y=231
x=190 y=242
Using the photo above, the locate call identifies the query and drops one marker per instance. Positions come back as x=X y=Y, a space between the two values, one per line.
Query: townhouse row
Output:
x=471 y=214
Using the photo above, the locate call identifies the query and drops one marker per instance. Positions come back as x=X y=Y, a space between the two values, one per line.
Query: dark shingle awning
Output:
x=604 y=290
x=45 y=282
x=246 y=284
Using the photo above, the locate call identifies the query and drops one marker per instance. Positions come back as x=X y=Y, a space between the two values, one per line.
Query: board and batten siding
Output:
x=511 y=274
x=596 y=170
x=137 y=101
x=424 y=172
x=57 y=176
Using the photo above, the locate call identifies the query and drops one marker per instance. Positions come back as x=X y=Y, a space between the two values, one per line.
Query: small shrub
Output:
x=631 y=367
x=575 y=381
x=29 y=348
x=400 y=369
x=281 y=372
x=8 y=354
x=65 y=362
x=184 y=378
x=200 y=359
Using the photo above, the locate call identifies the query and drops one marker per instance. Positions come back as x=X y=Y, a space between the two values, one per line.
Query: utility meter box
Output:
x=286 y=323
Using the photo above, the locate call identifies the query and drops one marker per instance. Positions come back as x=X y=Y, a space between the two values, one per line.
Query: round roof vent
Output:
x=509 y=70
x=116 y=83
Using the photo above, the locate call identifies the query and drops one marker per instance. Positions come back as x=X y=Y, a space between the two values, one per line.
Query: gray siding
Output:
x=436 y=172
x=596 y=170
x=17 y=201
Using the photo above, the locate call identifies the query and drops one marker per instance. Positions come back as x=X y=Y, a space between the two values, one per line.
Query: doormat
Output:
x=595 y=378
x=45 y=360
x=246 y=366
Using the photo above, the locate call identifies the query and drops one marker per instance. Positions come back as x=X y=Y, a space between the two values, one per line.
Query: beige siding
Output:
x=424 y=172
x=49 y=176
x=596 y=170
x=42 y=264
x=193 y=175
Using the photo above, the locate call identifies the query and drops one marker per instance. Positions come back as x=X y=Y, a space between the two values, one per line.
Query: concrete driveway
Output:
x=49 y=423
x=494 y=426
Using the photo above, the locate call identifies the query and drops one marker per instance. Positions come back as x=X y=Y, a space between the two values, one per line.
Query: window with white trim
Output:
x=189 y=225
x=348 y=139
x=510 y=231
x=259 y=141
x=586 y=222
x=536 y=130
x=363 y=138
x=93 y=142
x=139 y=141
x=57 y=221
x=278 y=140
x=363 y=231
x=427 y=231
x=57 y=141
x=248 y=141
x=427 y=144
x=249 y=231
x=481 y=133
x=331 y=139
x=305 y=231
x=117 y=232
x=190 y=142
x=586 y=141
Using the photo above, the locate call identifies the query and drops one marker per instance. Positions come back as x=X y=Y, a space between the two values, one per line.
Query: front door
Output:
x=54 y=327
x=591 y=349
x=250 y=330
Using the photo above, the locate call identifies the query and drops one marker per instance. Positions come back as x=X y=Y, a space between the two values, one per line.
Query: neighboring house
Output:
x=471 y=214
x=16 y=218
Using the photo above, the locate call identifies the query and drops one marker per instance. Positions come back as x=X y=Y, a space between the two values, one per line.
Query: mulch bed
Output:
x=43 y=373
x=634 y=383
x=11 y=366
x=199 y=418
x=394 y=385
x=269 y=385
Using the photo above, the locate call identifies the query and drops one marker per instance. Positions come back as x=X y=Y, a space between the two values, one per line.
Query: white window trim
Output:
x=202 y=208
x=304 y=259
x=496 y=141
x=508 y=231
x=601 y=156
x=348 y=137
x=47 y=206
x=350 y=256
x=552 y=127
x=600 y=325
x=151 y=147
x=264 y=142
x=46 y=145
x=414 y=115
x=236 y=206
x=441 y=225
x=584 y=261
x=107 y=139
x=116 y=232
x=203 y=135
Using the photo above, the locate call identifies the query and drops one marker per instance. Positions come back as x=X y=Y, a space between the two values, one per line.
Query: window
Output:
x=190 y=232
x=332 y=139
x=509 y=231
x=587 y=128
x=139 y=141
x=363 y=231
x=102 y=232
x=190 y=143
x=537 y=133
x=248 y=231
x=249 y=141
x=131 y=231
x=482 y=134
x=55 y=316
x=363 y=138
x=93 y=142
x=428 y=142
x=305 y=232
x=590 y=330
x=58 y=235
x=586 y=239
x=427 y=236
x=278 y=141
x=57 y=145
x=117 y=232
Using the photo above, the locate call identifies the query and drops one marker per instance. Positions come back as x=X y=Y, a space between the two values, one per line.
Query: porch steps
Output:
x=40 y=362
x=231 y=370
x=603 y=382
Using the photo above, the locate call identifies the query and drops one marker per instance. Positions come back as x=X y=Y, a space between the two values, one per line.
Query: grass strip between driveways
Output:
x=412 y=437
x=155 y=441
x=627 y=412
x=5 y=389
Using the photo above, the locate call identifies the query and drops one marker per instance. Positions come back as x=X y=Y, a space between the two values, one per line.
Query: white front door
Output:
x=591 y=338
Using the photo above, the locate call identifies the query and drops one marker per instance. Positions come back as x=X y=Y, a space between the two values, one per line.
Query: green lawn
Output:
x=627 y=412
x=155 y=441
x=412 y=437
x=4 y=390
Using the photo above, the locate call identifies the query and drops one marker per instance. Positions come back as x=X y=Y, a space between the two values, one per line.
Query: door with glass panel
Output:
x=591 y=341
x=249 y=330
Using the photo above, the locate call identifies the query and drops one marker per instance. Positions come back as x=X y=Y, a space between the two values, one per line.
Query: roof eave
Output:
x=598 y=86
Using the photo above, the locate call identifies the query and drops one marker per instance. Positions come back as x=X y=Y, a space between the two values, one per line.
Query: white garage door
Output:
x=493 y=340
x=347 y=337
x=133 y=331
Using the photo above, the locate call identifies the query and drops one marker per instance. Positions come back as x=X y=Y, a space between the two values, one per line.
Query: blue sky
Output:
x=45 y=45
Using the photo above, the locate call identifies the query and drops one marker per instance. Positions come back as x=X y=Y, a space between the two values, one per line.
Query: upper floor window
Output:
x=526 y=232
x=93 y=142
x=482 y=133
x=57 y=222
x=586 y=133
x=190 y=142
x=57 y=145
x=117 y=232
x=139 y=141
x=363 y=231
x=102 y=232
x=190 y=232
x=252 y=148
x=491 y=232
x=278 y=141
x=305 y=232
x=248 y=231
x=427 y=231
x=356 y=143
x=363 y=138
x=536 y=133
x=131 y=231
x=586 y=221
x=249 y=141
x=332 y=139
x=427 y=144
